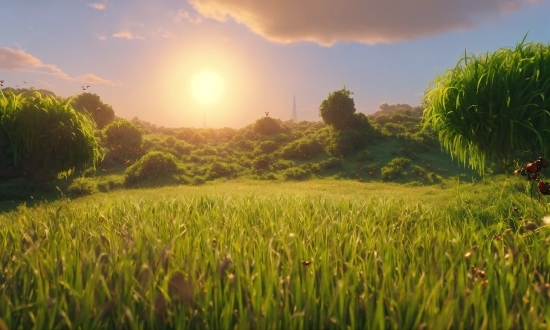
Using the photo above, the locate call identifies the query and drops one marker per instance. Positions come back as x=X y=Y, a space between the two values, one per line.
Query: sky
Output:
x=224 y=63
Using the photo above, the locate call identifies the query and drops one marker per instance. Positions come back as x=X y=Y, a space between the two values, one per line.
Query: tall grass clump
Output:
x=492 y=104
x=42 y=133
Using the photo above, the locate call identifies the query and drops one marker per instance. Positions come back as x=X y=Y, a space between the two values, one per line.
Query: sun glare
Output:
x=207 y=87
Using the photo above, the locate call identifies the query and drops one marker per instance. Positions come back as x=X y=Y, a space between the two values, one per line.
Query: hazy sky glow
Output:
x=143 y=56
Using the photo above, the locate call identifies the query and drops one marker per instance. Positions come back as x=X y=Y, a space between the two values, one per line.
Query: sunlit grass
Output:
x=321 y=253
x=492 y=104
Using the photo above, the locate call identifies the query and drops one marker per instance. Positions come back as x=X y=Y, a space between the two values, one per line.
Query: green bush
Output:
x=82 y=187
x=261 y=162
x=347 y=141
x=296 y=173
x=245 y=145
x=123 y=133
x=332 y=163
x=268 y=126
x=153 y=165
x=182 y=148
x=218 y=170
x=303 y=148
x=269 y=146
x=395 y=169
x=283 y=164
x=198 y=180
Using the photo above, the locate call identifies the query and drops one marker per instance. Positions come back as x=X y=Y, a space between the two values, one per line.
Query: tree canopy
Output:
x=338 y=109
x=101 y=113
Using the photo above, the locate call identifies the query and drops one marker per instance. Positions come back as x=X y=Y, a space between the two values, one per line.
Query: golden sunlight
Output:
x=207 y=87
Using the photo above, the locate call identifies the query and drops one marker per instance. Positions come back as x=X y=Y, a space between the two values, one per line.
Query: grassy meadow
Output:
x=323 y=253
x=276 y=225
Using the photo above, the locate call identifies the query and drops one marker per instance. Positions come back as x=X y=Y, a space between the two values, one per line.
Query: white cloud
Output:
x=93 y=79
x=127 y=35
x=185 y=15
x=165 y=34
x=97 y=5
x=367 y=21
x=19 y=60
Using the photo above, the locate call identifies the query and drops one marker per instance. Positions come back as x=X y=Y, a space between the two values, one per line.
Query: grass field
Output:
x=261 y=254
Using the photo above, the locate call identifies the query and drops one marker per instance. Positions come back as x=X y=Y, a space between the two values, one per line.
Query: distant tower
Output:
x=294 y=114
x=204 y=120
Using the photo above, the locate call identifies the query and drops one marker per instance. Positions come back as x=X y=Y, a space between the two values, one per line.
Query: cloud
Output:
x=366 y=21
x=97 y=5
x=165 y=34
x=18 y=60
x=93 y=79
x=185 y=15
x=126 y=35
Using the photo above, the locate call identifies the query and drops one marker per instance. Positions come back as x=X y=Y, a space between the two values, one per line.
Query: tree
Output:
x=123 y=133
x=42 y=135
x=268 y=126
x=492 y=105
x=102 y=113
x=123 y=141
x=338 y=109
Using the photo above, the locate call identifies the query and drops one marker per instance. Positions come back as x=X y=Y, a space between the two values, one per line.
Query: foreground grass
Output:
x=317 y=254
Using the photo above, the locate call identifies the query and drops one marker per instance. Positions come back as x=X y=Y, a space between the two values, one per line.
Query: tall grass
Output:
x=44 y=131
x=493 y=104
x=179 y=258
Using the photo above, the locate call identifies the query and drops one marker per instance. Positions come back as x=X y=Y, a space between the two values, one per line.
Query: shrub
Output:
x=218 y=170
x=394 y=128
x=197 y=181
x=268 y=126
x=330 y=164
x=83 y=186
x=346 y=141
x=182 y=148
x=395 y=168
x=283 y=164
x=303 y=148
x=269 y=146
x=296 y=173
x=261 y=162
x=123 y=140
x=245 y=145
x=153 y=165
x=123 y=133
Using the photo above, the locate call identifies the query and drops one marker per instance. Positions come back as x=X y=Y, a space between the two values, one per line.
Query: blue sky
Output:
x=144 y=57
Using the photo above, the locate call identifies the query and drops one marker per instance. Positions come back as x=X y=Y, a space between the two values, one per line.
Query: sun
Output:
x=207 y=87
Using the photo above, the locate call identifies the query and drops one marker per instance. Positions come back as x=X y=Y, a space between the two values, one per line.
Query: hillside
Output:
x=392 y=148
